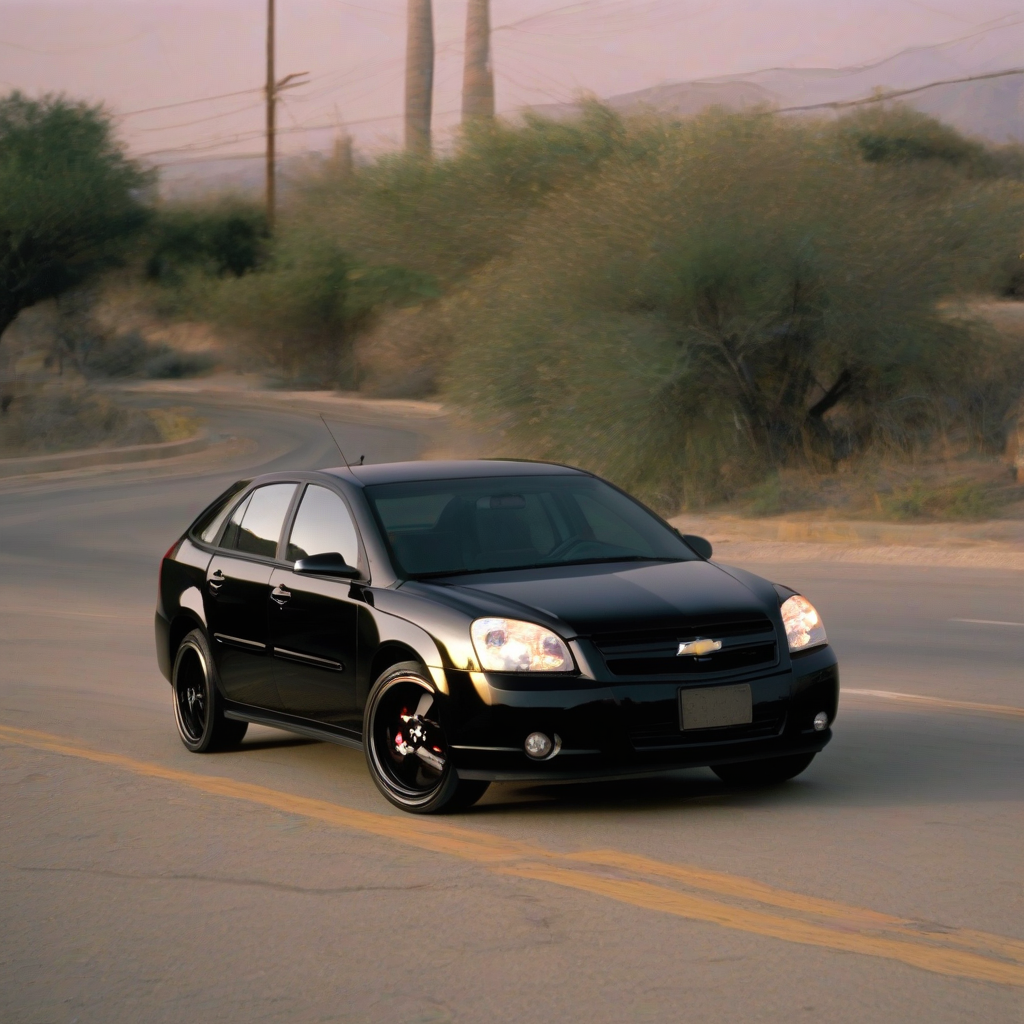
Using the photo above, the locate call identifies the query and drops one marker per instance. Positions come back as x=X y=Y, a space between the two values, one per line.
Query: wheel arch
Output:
x=394 y=652
x=181 y=625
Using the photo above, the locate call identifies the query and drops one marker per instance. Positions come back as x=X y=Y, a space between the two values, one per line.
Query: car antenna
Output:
x=335 y=440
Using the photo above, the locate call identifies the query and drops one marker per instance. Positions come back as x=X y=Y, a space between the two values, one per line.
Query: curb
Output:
x=30 y=464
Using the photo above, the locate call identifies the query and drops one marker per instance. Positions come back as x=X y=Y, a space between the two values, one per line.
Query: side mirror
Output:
x=699 y=544
x=328 y=564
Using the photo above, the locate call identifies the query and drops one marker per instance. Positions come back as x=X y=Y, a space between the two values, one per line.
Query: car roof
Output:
x=468 y=469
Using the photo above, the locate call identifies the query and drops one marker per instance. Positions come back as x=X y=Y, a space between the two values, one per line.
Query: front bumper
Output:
x=613 y=729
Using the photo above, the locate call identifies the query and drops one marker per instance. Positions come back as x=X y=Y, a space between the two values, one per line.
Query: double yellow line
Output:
x=686 y=891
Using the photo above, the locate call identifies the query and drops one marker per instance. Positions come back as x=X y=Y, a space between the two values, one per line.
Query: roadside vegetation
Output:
x=780 y=314
x=57 y=419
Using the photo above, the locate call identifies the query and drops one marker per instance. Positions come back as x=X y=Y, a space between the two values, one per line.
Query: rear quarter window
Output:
x=208 y=525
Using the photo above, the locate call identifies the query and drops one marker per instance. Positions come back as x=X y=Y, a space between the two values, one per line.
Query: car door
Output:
x=238 y=595
x=313 y=618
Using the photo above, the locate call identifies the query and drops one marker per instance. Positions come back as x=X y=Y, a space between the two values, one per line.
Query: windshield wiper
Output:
x=545 y=565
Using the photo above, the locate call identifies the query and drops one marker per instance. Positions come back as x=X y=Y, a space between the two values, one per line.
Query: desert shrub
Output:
x=221 y=238
x=131 y=355
x=356 y=244
x=901 y=135
x=66 y=418
x=448 y=217
x=305 y=308
x=121 y=356
x=749 y=294
x=957 y=500
x=173 y=365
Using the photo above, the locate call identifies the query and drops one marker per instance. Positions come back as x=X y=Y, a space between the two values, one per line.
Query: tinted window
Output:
x=230 y=538
x=255 y=525
x=454 y=526
x=208 y=524
x=323 y=525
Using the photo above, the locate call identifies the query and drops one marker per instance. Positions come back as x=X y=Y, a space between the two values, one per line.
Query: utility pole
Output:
x=478 y=76
x=272 y=89
x=419 y=76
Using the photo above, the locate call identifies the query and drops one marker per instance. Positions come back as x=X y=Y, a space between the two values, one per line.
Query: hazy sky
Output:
x=137 y=54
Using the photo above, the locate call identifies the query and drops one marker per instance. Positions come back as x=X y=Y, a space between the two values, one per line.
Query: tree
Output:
x=70 y=199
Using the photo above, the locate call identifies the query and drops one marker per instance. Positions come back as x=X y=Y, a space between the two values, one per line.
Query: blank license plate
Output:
x=712 y=707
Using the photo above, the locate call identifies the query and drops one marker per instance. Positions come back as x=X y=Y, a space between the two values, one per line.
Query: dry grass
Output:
x=58 y=418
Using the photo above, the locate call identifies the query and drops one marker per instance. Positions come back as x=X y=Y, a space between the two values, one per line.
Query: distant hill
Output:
x=992 y=109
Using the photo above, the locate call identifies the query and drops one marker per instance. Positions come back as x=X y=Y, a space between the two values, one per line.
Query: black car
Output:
x=466 y=622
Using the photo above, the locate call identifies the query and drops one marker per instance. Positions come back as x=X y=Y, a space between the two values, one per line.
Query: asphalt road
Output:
x=141 y=883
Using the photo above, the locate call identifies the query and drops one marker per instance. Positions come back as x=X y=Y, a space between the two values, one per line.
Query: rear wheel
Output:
x=197 y=704
x=406 y=749
x=769 y=772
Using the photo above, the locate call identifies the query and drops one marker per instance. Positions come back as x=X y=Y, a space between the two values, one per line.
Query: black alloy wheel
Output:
x=405 y=745
x=769 y=772
x=197 y=711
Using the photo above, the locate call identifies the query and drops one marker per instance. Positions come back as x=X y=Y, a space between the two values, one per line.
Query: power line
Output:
x=188 y=103
x=202 y=120
x=879 y=98
x=896 y=93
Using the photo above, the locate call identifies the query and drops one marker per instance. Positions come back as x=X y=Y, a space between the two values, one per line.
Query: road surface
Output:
x=141 y=883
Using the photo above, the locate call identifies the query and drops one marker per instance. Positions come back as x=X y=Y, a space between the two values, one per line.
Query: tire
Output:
x=198 y=708
x=769 y=772
x=405 y=746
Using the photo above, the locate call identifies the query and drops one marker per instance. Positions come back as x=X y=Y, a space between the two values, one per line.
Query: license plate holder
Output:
x=715 y=707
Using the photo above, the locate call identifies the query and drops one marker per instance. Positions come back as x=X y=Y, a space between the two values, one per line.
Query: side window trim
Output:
x=289 y=521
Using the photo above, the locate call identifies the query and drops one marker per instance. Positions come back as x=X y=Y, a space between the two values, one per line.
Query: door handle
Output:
x=216 y=581
x=280 y=594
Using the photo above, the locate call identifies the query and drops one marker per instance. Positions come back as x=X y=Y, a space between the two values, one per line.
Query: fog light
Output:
x=821 y=721
x=538 y=745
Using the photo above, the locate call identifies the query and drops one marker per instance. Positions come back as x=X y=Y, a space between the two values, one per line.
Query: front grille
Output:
x=746 y=644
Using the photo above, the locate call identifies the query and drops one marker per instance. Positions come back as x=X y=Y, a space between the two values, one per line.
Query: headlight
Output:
x=804 y=627
x=508 y=645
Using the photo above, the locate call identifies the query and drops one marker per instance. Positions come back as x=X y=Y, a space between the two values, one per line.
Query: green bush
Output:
x=961 y=500
x=305 y=308
x=224 y=238
x=354 y=243
x=749 y=294
x=448 y=217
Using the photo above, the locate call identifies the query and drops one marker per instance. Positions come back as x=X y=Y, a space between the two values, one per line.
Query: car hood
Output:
x=588 y=599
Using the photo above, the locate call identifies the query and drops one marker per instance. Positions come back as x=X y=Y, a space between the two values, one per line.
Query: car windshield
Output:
x=450 y=527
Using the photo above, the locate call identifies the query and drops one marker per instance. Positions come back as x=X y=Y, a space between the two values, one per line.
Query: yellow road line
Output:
x=845 y=928
x=655 y=897
x=1006 y=710
x=749 y=889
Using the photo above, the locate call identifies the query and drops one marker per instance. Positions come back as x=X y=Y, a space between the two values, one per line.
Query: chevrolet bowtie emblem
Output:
x=698 y=647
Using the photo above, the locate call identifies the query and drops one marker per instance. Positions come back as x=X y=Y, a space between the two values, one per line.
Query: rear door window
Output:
x=255 y=526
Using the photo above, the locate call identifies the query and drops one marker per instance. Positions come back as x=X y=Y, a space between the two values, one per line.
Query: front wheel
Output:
x=197 y=707
x=769 y=772
x=406 y=749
